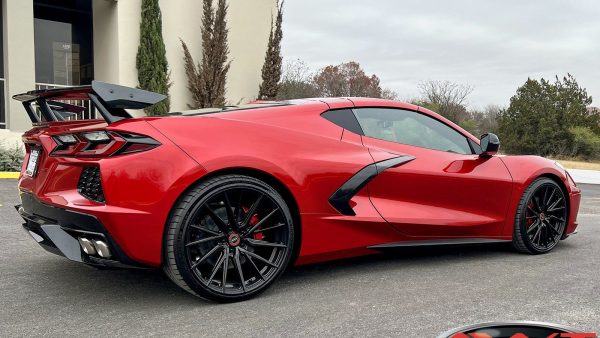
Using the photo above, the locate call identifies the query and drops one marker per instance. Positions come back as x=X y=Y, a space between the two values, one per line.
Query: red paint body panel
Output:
x=140 y=188
x=525 y=169
x=441 y=193
x=437 y=195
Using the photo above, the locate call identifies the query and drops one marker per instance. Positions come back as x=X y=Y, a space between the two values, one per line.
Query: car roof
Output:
x=260 y=110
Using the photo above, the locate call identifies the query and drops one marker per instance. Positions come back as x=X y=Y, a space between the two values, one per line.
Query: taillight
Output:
x=101 y=143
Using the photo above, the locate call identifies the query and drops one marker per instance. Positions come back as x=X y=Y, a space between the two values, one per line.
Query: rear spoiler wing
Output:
x=109 y=99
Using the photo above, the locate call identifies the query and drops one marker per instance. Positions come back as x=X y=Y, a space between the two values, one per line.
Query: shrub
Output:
x=586 y=143
x=11 y=159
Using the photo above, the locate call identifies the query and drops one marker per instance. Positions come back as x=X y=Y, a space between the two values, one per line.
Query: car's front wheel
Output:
x=229 y=238
x=541 y=217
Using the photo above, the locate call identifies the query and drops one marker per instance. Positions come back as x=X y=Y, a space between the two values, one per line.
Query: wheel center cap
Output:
x=234 y=239
x=542 y=217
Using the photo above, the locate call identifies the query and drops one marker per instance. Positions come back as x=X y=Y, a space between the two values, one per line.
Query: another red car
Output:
x=224 y=200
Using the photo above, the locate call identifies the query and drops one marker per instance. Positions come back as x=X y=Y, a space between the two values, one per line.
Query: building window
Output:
x=63 y=42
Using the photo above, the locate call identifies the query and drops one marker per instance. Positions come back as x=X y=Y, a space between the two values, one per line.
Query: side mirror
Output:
x=489 y=144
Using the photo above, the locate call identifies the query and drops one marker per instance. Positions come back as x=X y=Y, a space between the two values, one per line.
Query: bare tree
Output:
x=485 y=120
x=346 y=79
x=296 y=81
x=448 y=98
x=389 y=94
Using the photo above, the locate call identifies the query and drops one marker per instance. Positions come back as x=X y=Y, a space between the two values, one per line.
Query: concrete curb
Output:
x=585 y=176
x=9 y=175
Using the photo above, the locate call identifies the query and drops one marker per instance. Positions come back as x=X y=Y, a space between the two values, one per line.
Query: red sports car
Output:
x=224 y=200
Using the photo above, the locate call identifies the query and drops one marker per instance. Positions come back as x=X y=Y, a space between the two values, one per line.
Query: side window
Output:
x=412 y=128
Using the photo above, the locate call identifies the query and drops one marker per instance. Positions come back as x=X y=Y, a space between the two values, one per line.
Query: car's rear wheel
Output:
x=541 y=217
x=229 y=238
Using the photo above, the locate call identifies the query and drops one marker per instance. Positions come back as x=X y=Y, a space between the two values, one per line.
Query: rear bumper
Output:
x=57 y=230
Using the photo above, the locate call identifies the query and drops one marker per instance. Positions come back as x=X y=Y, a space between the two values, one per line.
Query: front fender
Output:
x=526 y=169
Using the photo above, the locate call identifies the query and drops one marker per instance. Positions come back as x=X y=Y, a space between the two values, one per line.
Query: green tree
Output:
x=586 y=143
x=151 y=60
x=206 y=80
x=541 y=115
x=271 y=70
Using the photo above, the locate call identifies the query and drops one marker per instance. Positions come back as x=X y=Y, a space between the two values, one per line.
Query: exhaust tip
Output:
x=101 y=249
x=87 y=246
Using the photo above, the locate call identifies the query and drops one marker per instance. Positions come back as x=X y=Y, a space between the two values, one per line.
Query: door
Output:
x=447 y=190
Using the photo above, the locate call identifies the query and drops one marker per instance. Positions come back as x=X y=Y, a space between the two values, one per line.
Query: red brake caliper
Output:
x=253 y=221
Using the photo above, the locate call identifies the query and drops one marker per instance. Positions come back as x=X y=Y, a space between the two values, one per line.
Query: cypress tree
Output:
x=151 y=60
x=206 y=81
x=271 y=70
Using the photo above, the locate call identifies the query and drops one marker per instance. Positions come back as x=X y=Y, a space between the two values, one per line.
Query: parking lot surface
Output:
x=408 y=293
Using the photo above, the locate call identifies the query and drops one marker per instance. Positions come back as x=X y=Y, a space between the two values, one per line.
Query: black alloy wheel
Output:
x=541 y=217
x=229 y=239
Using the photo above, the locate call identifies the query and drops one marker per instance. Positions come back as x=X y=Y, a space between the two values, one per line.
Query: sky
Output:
x=493 y=46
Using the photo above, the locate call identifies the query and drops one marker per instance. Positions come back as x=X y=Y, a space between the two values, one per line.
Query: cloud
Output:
x=493 y=45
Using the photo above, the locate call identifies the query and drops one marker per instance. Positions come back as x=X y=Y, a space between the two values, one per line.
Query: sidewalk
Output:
x=585 y=176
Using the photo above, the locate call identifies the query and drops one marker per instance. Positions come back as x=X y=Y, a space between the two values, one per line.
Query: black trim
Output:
x=31 y=112
x=340 y=199
x=111 y=100
x=60 y=227
x=438 y=242
x=489 y=144
x=110 y=115
x=475 y=148
x=90 y=184
x=133 y=139
x=122 y=97
x=344 y=118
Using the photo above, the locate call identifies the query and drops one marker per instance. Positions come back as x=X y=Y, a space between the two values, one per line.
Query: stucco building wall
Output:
x=116 y=25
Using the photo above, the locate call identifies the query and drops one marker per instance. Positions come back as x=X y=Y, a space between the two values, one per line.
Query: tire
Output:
x=228 y=238
x=541 y=217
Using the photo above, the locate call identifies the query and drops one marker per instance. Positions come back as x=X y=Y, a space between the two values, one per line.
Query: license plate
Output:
x=32 y=163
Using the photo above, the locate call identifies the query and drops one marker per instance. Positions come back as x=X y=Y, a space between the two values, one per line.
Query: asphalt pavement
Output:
x=410 y=293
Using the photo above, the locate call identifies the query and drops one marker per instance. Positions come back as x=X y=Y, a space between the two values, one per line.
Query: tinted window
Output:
x=408 y=127
x=344 y=118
